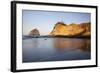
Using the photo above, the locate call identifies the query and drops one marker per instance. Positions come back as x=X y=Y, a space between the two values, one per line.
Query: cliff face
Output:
x=34 y=32
x=87 y=27
x=61 y=29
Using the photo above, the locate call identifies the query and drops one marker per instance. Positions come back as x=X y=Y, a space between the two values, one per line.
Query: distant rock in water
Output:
x=62 y=29
x=34 y=32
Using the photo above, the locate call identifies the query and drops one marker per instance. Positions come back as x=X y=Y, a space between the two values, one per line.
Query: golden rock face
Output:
x=59 y=29
x=62 y=29
x=87 y=27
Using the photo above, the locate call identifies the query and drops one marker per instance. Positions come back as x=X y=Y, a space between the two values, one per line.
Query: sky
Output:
x=44 y=21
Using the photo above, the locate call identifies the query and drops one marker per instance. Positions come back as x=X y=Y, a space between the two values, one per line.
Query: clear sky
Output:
x=44 y=21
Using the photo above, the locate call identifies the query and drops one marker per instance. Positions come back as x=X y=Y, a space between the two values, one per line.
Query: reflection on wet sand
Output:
x=56 y=49
x=72 y=44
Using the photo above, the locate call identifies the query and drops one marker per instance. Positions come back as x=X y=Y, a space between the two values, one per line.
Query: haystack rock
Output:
x=34 y=32
x=61 y=29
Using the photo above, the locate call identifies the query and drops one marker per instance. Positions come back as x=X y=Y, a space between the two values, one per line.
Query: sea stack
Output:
x=34 y=32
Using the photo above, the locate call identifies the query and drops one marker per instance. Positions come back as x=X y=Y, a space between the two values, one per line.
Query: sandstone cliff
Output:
x=61 y=29
x=87 y=27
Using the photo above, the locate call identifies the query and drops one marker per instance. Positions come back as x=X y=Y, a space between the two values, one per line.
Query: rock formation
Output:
x=34 y=32
x=87 y=27
x=61 y=29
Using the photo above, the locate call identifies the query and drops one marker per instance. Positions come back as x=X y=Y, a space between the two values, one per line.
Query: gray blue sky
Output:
x=44 y=21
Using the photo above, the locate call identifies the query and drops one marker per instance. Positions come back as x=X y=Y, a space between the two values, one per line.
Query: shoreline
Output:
x=57 y=37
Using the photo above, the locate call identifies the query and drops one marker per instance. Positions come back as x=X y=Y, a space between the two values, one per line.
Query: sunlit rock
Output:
x=87 y=27
x=61 y=29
